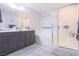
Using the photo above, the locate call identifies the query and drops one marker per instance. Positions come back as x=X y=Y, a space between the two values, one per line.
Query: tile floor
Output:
x=39 y=50
x=33 y=50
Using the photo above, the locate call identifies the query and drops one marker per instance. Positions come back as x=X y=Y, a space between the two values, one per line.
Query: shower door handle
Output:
x=72 y=34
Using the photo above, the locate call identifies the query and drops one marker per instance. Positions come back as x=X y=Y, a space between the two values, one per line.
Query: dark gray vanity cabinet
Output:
x=12 y=41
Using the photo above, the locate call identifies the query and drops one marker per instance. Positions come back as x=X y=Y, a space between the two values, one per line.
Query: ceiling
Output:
x=44 y=7
x=40 y=7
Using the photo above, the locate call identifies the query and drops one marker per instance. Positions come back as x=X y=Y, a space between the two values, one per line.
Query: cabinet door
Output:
x=1 y=50
x=30 y=37
x=13 y=41
x=4 y=44
x=22 y=39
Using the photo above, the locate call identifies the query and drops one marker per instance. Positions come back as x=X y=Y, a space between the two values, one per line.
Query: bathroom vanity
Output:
x=15 y=40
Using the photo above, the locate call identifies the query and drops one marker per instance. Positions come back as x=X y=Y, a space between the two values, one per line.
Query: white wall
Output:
x=35 y=21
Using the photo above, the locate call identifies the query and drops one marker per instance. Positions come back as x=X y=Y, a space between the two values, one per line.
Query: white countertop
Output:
x=15 y=30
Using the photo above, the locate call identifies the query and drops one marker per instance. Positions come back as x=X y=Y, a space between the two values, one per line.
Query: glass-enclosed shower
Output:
x=68 y=27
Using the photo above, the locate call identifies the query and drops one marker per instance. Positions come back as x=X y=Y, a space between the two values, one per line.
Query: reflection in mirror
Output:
x=0 y=17
x=10 y=17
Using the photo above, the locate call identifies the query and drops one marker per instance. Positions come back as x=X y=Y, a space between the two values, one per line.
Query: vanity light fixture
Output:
x=14 y=6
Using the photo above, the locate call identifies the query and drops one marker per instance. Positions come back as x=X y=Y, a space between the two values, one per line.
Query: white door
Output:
x=68 y=18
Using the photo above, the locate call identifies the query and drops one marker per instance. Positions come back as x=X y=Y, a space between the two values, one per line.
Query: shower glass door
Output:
x=68 y=19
